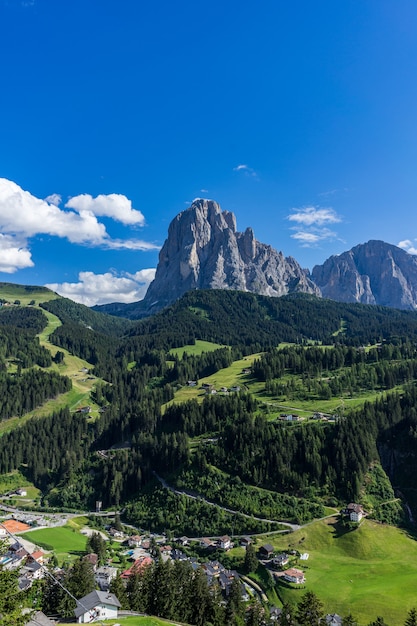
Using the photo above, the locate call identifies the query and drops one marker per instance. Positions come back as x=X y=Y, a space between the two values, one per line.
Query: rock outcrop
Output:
x=204 y=251
x=371 y=273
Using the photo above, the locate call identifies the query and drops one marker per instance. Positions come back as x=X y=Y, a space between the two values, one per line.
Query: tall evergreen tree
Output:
x=411 y=618
x=309 y=610
x=251 y=562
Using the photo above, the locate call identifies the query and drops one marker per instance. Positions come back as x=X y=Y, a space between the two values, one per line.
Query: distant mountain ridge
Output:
x=371 y=273
x=204 y=250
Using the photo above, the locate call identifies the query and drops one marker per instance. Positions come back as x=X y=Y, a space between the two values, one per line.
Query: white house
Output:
x=97 y=605
x=294 y=575
x=355 y=512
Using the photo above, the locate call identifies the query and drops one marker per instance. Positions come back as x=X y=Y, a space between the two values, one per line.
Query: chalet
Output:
x=96 y=606
x=294 y=575
x=207 y=543
x=191 y=383
x=134 y=541
x=104 y=575
x=21 y=492
x=138 y=566
x=247 y=370
x=245 y=541
x=84 y=409
x=235 y=388
x=92 y=559
x=37 y=557
x=183 y=541
x=280 y=560
x=266 y=551
x=355 y=512
x=224 y=543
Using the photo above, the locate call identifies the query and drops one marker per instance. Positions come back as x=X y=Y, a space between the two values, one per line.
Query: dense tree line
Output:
x=70 y=311
x=48 y=448
x=23 y=346
x=30 y=319
x=23 y=393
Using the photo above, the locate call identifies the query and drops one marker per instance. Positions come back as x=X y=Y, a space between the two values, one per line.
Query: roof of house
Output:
x=295 y=573
x=40 y=619
x=91 y=600
x=334 y=618
x=267 y=547
x=37 y=555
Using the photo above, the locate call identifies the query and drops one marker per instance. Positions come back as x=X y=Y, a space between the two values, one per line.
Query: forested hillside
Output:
x=365 y=358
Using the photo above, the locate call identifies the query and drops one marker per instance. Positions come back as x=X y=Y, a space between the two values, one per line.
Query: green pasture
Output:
x=196 y=349
x=12 y=292
x=226 y=377
x=14 y=480
x=369 y=571
x=65 y=541
x=82 y=383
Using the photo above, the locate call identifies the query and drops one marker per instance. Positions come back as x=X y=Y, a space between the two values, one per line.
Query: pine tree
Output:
x=117 y=587
x=309 y=610
x=251 y=562
x=378 y=622
x=10 y=600
x=411 y=618
x=287 y=617
x=349 y=620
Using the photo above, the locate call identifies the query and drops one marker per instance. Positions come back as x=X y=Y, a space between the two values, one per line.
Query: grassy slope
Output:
x=11 y=292
x=370 y=571
x=196 y=349
x=82 y=383
x=233 y=375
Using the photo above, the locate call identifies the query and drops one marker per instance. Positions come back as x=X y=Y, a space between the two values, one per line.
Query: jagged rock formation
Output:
x=204 y=251
x=371 y=273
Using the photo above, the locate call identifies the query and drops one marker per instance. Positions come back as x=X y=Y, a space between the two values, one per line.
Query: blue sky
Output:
x=300 y=117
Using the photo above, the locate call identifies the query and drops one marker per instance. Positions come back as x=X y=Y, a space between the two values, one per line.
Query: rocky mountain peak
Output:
x=204 y=250
x=371 y=273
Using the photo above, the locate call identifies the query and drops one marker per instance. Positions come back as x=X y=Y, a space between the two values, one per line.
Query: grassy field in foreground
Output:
x=63 y=540
x=369 y=571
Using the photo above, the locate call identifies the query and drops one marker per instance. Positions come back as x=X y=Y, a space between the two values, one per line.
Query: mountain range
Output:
x=204 y=250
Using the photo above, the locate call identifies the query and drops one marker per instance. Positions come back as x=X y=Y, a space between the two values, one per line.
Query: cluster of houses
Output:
x=211 y=390
x=274 y=561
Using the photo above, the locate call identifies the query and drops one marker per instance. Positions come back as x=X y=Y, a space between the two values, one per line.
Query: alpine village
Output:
x=238 y=448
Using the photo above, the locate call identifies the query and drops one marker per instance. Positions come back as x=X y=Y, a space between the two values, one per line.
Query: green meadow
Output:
x=65 y=541
x=195 y=349
x=370 y=571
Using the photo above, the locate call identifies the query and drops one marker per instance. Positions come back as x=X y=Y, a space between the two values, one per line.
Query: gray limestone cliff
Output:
x=371 y=273
x=204 y=251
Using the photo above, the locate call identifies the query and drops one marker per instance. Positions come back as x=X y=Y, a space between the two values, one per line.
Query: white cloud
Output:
x=54 y=198
x=23 y=216
x=309 y=238
x=103 y=288
x=408 y=246
x=204 y=190
x=249 y=171
x=311 y=223
x=14 y=255
x=113 y=205
x=311 y=215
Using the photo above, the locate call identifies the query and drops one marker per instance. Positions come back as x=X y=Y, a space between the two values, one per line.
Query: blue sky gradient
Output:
x=299 y=117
